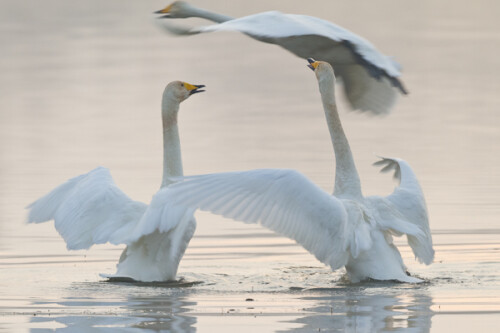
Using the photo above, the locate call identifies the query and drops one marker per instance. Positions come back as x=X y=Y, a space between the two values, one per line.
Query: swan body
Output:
x=90 y=209
x=341 y=230
x=371 y=79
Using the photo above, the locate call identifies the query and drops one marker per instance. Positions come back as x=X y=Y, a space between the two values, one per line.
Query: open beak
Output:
x=313 y=64
x=165 y=10
x=193 y=89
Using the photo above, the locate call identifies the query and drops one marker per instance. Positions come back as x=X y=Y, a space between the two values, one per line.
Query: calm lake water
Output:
x=80 y=86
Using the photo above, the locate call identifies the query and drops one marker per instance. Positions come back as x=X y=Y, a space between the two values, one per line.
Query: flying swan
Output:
x=371 y=79
x=343 y=229
x=90 y=209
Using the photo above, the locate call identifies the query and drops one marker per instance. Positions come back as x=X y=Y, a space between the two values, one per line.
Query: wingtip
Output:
x=380 y=160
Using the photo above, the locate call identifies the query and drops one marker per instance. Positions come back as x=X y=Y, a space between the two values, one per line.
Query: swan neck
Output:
x=347 y=182
x=172 y=159
x=211 y=16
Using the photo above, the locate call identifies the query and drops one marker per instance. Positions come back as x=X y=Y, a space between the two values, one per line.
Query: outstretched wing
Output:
x=371 y=79
x=88 y=209
x=409 y=200
x=364 y=91
x=282 y=200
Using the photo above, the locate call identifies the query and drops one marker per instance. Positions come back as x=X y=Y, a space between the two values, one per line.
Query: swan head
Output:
x=322 y=69
x=177 y=9
x=180 y=91
x=324 y=74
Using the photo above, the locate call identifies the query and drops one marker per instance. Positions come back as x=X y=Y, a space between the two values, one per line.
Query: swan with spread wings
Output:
x=345 y=229
x=90 y=209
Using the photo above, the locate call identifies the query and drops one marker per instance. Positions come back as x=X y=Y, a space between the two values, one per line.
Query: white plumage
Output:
x=90 y=209
x=371 y=79
x=346 y=229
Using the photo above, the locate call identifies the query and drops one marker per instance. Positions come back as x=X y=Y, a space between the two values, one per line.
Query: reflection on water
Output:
x=133 y=314
x=81 y=85
x=349 y=309
x=360 y=312
x=251 y=290
x=259 y=288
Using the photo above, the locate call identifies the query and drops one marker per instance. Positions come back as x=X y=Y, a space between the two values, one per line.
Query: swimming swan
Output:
x=343 y=229
x=90 y=209
x=371 y=79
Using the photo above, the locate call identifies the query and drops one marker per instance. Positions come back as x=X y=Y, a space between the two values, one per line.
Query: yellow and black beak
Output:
x=193 y=89
x=165 y=10
x=313 y=64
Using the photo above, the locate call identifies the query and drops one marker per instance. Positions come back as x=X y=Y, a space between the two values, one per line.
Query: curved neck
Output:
x=214 y=17
x=172 y=159
x=347 y=183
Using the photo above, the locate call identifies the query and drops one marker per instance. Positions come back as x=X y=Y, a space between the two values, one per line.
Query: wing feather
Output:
x=408 y=199
x=88 y=209
x=282 y=200
x=371 y=79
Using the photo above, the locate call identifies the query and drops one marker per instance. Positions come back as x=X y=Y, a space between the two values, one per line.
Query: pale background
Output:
x=80 y=86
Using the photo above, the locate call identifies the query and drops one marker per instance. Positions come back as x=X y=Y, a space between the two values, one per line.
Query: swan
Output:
x=90 y=209
x=371 y=79
x=345 y=229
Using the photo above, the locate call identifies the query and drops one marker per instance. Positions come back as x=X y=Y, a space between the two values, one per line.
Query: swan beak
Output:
x=165 y=10
x=193 y=89
x=313 y=64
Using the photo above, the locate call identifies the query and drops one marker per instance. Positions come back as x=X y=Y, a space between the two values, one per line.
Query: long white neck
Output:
x=172 y=159
x=214 y=17
x=347 y=183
